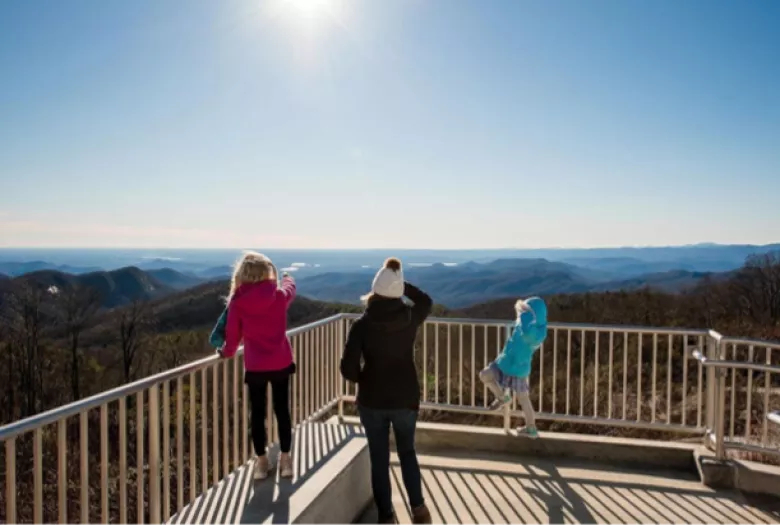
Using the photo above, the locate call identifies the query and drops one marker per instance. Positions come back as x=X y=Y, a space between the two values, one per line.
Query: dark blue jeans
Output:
x=377 y=426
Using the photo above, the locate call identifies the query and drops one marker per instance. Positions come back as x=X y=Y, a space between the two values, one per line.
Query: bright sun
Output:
x=308 y=22
x=309 y=8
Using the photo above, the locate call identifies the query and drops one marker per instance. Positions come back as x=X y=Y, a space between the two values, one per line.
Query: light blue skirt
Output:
x=517 y=384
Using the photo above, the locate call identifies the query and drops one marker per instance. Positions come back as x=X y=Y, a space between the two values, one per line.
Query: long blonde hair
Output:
x=252 y=267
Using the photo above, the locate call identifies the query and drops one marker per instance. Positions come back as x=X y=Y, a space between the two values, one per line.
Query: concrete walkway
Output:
x=468 y=486
x=318 y=456
x=494 y=489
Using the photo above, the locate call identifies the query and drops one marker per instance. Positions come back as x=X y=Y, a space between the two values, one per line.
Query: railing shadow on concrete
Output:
x=542 y=494
x=240 y=499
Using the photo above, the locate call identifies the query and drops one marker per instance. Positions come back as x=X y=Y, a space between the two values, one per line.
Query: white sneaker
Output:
x=285 y=466
x=261 y=467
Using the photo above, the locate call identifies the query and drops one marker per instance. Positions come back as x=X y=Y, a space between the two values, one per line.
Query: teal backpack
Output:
x=217 y=337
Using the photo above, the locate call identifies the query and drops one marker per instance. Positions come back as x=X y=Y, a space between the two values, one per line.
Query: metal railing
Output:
x=664 y=379
x=748 y=382
x=595 y=375
x=148 y=448
x=145 y=450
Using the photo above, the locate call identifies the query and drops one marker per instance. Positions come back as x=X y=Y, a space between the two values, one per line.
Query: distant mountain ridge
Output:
x=703 y=257
x=472 y=283
x=115 y=288
x=454 y=286
x=199 y=308
x=619 y=263
x=174 y=279
x=16 y=268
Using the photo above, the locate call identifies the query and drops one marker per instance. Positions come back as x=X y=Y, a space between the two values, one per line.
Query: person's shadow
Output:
x=268 y=501
x=238 y=498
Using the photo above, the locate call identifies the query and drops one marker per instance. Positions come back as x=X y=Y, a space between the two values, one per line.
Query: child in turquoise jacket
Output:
x=511 y=369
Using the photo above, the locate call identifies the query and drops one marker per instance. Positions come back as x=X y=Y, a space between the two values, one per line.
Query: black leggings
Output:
x=258 y=397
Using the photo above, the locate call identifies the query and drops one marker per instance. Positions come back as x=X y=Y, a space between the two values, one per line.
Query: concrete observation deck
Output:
x=482 y=475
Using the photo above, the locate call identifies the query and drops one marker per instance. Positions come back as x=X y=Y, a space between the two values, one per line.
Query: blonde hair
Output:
x=391 y=263
x=252 y=267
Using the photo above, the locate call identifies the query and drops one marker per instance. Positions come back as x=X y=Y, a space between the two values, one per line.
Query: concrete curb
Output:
x=340 y=491
x=747 y=476
x=436 y=437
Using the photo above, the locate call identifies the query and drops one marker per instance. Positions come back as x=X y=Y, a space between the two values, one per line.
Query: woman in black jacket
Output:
x=389 y=392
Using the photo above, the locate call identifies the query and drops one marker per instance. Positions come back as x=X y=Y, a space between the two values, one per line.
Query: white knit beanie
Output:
x=389 y=283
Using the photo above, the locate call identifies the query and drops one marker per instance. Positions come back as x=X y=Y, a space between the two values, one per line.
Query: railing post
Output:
x=716 y=397
x=720 y=451
x=154 y=455
x=10 y=480
x=342 y=324
x=508 y=406
x=711 y=399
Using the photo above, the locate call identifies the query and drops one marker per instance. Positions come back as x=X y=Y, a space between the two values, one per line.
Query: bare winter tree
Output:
x=756 y=287
x=25 y=315
x=132 y=320
x=175 y=349
x=77 y=307
x=708 y=301
x=8 y=351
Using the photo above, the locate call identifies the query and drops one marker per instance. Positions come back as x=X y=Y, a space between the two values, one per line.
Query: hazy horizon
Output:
x=379 y=249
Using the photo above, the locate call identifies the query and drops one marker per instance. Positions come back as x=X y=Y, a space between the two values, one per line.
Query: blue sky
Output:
x=404 y=123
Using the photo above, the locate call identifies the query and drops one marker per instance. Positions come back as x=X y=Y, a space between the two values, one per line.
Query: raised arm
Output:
x=535 y=335
x=511 y=341
x=233 y=333
x=288 y=289
x=422 y=302
x=353 y=350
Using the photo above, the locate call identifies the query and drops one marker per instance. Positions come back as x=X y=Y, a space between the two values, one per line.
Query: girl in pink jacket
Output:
x=257 y=315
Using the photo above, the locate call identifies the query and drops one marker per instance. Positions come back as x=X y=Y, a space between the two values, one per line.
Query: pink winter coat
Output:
x=258 y=315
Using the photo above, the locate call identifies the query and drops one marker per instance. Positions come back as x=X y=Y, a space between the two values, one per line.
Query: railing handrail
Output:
x=566 y=326
x=725 y=363
x=774 y=345
x=74 y=408
x=715 y=336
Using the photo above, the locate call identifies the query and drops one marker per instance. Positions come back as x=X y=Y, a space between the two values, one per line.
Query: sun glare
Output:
x=308 y=26
x=308 y=8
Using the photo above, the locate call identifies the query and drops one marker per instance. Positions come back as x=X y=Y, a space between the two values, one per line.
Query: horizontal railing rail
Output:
x=739 y=365
x=558 y=325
